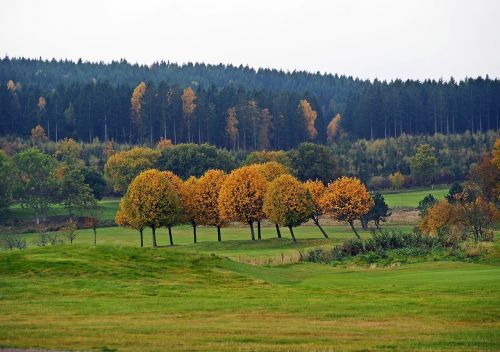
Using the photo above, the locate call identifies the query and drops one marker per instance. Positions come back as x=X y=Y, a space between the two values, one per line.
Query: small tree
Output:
x=397 y=180
x=424 y=164
x=70 y=230
x=347 y=199
x=316 y=190
x=154 y=200
x=93 y=213
x=379 y=212
x=454 y=192
x=242 y=197
x=209 y=187
x=425 y=204
x=288 y=202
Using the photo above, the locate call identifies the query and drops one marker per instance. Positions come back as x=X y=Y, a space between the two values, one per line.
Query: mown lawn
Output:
x=121 y=298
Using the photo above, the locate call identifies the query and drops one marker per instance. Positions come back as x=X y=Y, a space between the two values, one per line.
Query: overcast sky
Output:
x=384 y=39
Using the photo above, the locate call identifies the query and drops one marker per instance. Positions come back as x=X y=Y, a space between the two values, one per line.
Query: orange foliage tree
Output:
x=346 y=199
x=209 y=186
x=309 y=116
x=316 y=190
x=288 y=202
x=38 y=134
x=242 y=196
x=333 y=130
x=154 y=200
x=136 y=102
x=486 y=175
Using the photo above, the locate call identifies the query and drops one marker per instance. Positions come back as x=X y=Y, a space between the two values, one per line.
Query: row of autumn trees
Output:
x=231 y=106
x=247 y=195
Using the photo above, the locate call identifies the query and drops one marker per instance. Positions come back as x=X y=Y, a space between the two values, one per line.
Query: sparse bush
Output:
x=12 y=241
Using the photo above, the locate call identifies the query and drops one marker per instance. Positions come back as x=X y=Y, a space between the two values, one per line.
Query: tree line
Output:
x=232 y=107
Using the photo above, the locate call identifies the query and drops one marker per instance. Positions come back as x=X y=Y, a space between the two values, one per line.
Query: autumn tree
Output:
x=242 y=197
x=334 y=130
x=182 y=215
x=126 y=217
x=41 y=109
x=164 y=143
x=38 y=135
x=288 y=202
x=136 y=106
x=397 y=180
x=316 y=190
x=209 y=186
x=346 y=200
x=486 y=175
x=188 y=106
x=264 y=156
x=309 y=117
x=154 y=200
x=232 y=126
x=122 y=167
x=189 y=202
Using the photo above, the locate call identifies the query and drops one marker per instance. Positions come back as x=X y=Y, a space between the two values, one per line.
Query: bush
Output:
x=11 y=241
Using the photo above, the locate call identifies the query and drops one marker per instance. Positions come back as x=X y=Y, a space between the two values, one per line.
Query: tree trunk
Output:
x=278 y=232
x=95 y=236
x=291 y=233
x=354 y=229
x=219 y=239
x=170 y=235
x=250 y=223
x=153 y=231
x=316 y=221
x=194 y=232
x=142 y=237
x=259 y=236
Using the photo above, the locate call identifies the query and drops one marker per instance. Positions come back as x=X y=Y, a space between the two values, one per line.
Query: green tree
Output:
x=424 y=165
x=425 y=204
x=38 y=188
x=8 y=181
x=379 y=212
x=313 y=161
x=455 y=190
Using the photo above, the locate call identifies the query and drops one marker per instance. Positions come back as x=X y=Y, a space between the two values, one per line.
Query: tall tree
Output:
x=309 y=117
x=232 y=126
x=188 y=106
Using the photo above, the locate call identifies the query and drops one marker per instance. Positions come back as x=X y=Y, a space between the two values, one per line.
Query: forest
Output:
x=232 y=107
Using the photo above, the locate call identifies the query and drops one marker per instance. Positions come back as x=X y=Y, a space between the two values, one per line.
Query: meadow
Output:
x=241 y=295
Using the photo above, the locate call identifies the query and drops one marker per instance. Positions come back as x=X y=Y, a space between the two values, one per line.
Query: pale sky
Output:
x=369 y=39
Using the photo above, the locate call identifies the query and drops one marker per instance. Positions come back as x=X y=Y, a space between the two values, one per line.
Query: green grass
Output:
x=192 y=297
x=410 y=198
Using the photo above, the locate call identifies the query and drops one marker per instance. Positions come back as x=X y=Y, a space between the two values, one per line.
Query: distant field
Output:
x=410 y=198
x=120 y=298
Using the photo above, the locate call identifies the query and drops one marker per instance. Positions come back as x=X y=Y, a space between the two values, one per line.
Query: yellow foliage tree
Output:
x=232 y=126
x=316 y=190
x=41 y=109
x=242 y=196
x=271 y=170
x=136 y=102
x=333 y=129
x=188 y=106
x=179 y=189
x=397 y=180
x=309 y=116
x=122 y=167
x=209 y=187
x=164 y=143
x=154 y=200
x=38 y=134
x=288 y=202
x=125 y=217
x=346 y=199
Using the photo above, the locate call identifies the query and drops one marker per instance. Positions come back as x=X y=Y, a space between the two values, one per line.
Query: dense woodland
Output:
x=231 y=107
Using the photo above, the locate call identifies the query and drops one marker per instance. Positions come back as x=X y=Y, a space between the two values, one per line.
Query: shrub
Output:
x=378 y=182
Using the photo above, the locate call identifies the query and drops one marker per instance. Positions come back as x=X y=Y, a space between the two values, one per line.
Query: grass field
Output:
x=205 y=296
x=410 y=198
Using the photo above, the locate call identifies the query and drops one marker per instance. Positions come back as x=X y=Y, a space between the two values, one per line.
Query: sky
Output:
x=384 y=39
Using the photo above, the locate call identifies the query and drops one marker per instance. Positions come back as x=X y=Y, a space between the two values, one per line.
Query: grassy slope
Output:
x=183 y=298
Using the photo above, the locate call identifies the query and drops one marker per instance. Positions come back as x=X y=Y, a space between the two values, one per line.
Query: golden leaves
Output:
x=287 y=201
x=316 y=190
x=242 y=196
x=136 y=101
x=209 y=186
x=188 y=97
x=309 y=116
x=333 y=129
x=346 y=199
